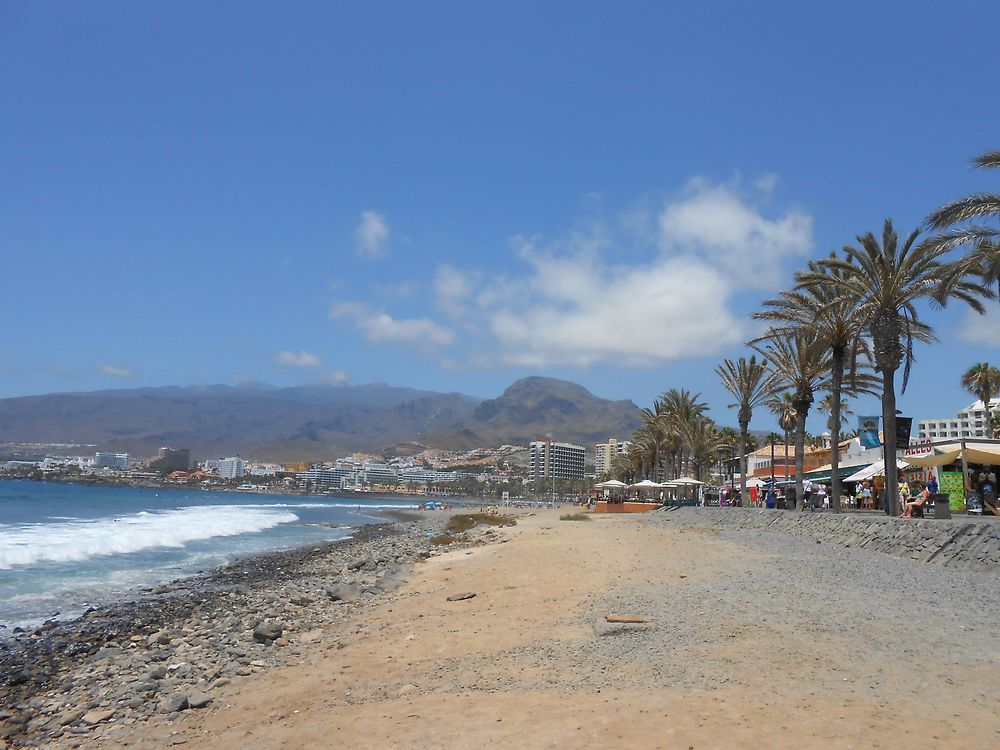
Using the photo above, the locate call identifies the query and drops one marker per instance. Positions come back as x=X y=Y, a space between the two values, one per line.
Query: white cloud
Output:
x=452 y=289
x=576 y=307
x=376 y=325
x=715 y=223
x=982 y=329
x=577 y=311
x=334 y=377
x=298 y=359
x=116 y=371
x=372 y=234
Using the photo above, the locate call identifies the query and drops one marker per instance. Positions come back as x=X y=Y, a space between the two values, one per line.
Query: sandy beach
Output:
x=751 y=640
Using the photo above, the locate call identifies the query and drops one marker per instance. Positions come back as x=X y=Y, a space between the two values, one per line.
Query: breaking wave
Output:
x=69 y=541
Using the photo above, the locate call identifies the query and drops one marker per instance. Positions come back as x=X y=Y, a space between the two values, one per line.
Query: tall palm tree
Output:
x=983 y=382
x=834 y=318
x=890 y=279
x=961 y=223
x=826 y=406
x=772 y=439
x=801 y=363
x=783 y=407
x=702 y=441
x=752 y=384
x=680 y=408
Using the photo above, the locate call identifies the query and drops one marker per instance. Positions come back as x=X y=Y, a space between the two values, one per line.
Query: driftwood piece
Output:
x=624 y=618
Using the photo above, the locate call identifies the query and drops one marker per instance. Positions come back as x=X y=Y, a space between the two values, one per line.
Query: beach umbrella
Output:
x=611 y=484
x=646 y=484
x=686 y=481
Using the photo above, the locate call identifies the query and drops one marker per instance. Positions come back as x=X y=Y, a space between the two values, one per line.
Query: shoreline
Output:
x=34 y=662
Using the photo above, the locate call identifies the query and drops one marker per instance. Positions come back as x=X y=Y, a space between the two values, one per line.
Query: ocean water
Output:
x=64 y=548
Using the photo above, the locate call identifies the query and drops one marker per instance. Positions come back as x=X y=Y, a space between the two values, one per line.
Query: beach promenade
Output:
x=754 y=639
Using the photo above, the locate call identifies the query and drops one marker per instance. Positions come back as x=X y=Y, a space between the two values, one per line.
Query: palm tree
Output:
x=889 y=280
x=680 y=407
x=752 y=384
x=833 y=317
x=801 y=363
x=960 y=223
x=772 y=439
x=783 y=407
x=983 y=382
x=826 y=406
x=702 y=441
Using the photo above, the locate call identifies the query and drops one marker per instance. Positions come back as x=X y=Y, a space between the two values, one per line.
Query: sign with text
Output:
x=953 y=486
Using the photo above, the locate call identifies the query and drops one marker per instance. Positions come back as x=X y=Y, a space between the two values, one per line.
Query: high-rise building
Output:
x=548 y=460
x=171 y=459
x=969 y=422
x=229 y=468
x=107 y=460
x=605 y=454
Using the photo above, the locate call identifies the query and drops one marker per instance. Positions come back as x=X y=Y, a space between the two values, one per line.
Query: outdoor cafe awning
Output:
x=825 y=473
x=948 y=453
x=876 y=469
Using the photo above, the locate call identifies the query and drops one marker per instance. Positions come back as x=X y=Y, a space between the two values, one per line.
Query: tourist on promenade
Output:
x=904 y=494
x=909 y=505
x=867 y=500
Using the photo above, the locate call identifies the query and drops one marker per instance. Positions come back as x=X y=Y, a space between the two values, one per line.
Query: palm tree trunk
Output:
x=800 y=446
x=836 y=383
x=889 y=502
x=744 y=434
x=784 y=470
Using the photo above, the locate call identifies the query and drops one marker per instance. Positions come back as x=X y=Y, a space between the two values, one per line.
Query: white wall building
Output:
x=605 y=454
x=548 y=460
x=229 y=468
x=969 y=422
x=114 y=461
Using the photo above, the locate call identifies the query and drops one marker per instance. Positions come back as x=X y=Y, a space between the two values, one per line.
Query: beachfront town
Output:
x=547 y=468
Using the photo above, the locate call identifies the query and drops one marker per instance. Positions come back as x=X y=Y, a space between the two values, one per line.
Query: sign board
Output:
x=919 y=449
x=868 y=432
x=951 y=484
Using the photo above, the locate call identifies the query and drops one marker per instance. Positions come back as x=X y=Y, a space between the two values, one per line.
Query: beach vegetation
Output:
x=465 y=521
x=575 y=517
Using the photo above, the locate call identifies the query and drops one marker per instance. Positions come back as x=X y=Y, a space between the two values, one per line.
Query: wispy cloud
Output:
x=372 y=235
x=116 y=371
x=297 y=359
x=377 y=325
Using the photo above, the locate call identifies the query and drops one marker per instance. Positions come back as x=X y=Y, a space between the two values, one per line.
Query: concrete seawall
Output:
x=957 y=543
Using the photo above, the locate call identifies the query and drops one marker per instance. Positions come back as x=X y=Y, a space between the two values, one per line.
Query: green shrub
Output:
x=465 y=521
x=574 y=517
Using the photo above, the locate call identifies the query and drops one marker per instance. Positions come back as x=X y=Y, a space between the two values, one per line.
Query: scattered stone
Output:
x=301 y=601
x=96 y=717
x=266 y=632
x=198 y=699
x=461 y=597
x=174 y=704
x=344 y=592
x=69 y=717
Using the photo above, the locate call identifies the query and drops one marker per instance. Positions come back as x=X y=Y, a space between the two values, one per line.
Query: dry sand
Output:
x=504 y=669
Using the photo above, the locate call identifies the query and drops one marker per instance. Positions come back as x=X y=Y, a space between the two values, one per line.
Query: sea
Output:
x=65 y=548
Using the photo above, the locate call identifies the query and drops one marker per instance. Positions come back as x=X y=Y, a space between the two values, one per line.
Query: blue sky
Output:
x=454 y=195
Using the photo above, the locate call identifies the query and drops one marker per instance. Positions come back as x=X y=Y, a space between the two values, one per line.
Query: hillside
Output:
x=312 y=422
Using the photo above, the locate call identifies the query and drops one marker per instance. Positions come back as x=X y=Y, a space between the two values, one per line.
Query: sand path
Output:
x=503 y=669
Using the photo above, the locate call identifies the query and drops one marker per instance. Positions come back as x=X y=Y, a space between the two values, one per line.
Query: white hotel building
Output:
x=548 y=460
x=969 y=422
x=605 y=454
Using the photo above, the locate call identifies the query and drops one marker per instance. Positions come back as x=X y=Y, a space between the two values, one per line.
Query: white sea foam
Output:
x=26 y=544
x=342 y=504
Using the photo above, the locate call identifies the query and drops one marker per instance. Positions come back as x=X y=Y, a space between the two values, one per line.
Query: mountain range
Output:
x=314 y=422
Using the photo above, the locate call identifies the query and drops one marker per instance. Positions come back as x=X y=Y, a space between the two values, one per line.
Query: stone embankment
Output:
x=958 y=543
